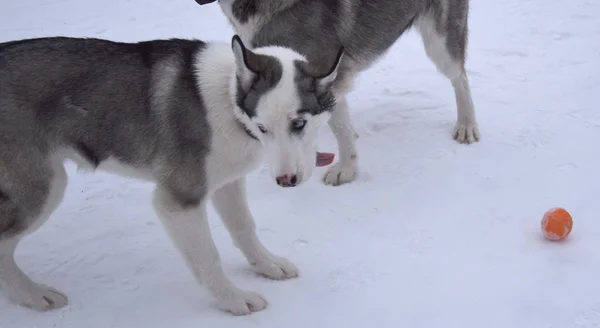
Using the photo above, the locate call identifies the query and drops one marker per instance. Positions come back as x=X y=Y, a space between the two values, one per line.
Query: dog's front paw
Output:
x=340 y=173
x=38 y=297
x=466 y=132
x=241 y=302
x=276 y=267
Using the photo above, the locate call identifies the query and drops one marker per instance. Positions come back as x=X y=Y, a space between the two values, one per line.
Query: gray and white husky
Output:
x=193 y=117
x=366 y=29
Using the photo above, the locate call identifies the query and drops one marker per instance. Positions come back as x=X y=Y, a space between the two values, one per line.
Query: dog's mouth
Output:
x=324 y=159
x=204 y=2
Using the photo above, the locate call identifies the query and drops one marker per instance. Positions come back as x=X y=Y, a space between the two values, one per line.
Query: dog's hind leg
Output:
x=20 y=288
x=443 y=28
x=35 y=189
x=185 y=219
x=231 y=203
x=344 y=171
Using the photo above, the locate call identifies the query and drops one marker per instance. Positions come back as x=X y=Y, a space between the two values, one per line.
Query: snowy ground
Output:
x=432 y=234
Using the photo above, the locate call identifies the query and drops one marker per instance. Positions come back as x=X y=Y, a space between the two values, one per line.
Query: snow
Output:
x=432 y=233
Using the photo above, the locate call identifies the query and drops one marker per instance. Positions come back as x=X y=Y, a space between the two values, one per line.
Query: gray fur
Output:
x=366 y=29
x=93 y=96
x=316 y=97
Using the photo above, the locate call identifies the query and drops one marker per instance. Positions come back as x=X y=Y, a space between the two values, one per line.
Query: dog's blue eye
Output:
x=298 y=124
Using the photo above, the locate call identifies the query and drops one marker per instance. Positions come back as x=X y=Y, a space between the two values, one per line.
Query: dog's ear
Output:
x=248 y=64
x=324 y=81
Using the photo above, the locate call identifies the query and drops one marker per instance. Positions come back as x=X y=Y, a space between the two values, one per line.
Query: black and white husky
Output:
x=366 y=29
x=193 y=117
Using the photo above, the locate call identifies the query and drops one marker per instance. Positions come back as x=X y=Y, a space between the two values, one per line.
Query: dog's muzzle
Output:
x=204 y=2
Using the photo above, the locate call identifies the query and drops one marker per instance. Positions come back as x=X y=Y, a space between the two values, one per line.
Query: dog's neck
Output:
x=216 y=71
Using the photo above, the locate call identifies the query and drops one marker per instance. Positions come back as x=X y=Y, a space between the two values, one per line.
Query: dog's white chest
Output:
x=229 y=161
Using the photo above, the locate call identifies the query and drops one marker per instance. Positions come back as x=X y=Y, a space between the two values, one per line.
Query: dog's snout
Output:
x=287 y=180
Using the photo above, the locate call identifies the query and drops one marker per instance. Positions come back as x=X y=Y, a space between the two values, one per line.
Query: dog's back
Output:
x=90 y=94
x=91 y=97
x=366 y=29
x=49 y=86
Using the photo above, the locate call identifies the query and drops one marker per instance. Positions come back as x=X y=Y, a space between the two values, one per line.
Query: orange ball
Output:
x=557 y=223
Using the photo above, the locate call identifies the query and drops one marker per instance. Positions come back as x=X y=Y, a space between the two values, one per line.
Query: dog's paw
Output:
x=241 y=302
x=340 y=173
x=39 y=298
x=466 y=133
x=276 y=267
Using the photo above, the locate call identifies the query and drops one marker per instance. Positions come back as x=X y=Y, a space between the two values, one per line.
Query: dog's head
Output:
x=283 y=101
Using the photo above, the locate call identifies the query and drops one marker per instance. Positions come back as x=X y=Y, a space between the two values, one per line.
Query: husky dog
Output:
x=366 y=29
x=193 y=117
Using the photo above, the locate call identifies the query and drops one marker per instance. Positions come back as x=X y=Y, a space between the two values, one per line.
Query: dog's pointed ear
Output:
x=248 y=64
x=324 y=81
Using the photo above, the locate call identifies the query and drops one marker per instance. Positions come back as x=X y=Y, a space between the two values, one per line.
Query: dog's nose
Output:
x=287 y=180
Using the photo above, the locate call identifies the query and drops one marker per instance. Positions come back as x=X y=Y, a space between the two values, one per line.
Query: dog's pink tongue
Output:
x=324 y=159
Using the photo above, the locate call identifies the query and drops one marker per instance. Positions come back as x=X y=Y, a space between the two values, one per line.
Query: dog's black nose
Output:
x=287 y=181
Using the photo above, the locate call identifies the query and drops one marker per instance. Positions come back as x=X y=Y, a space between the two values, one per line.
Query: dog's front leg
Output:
x=231 y=203
x=189 y=230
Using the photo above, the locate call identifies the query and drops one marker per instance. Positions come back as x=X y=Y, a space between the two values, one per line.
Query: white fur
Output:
x=190 y=232
x=233 y=154
x=240 y=224
x=344 y=171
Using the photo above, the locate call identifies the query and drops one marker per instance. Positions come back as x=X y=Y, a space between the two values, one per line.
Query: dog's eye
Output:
x=298 y=124
x=262 y=128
